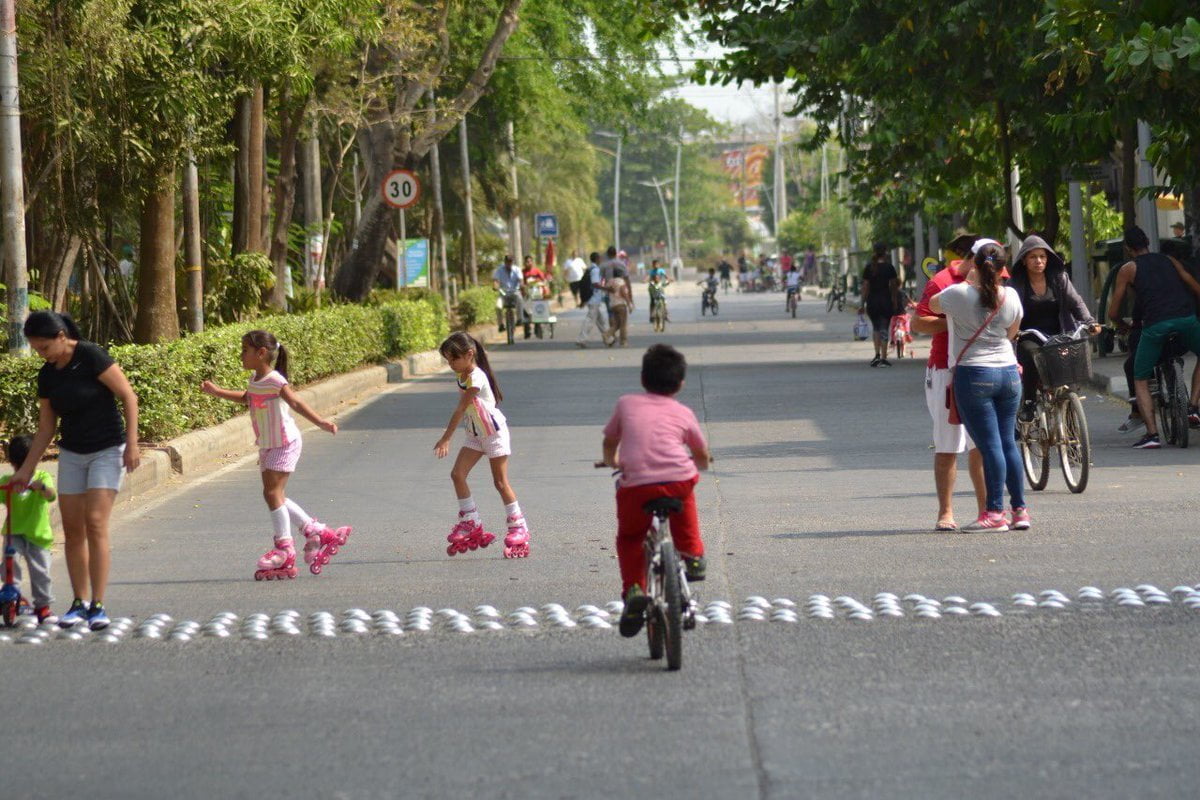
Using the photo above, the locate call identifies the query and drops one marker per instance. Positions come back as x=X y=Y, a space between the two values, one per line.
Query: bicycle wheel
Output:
x=510 y=322
x=793 y=304
x=673 y=607
x=1075 y=444
x=829 y=302
x=1179 y=407
x=841 y=304
x=1035 y=455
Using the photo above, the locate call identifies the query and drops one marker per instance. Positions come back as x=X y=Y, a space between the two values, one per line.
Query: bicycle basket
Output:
x=1066 y=363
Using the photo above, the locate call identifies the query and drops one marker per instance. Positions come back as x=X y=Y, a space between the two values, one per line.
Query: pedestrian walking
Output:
x=573 y=272
x=269 y=397
x=78 y=389
x=949 y=438
x=487 y=435
x=984 y=318
x=880 y=285
x=29 y=525
x=595 y=311
x=620 y=302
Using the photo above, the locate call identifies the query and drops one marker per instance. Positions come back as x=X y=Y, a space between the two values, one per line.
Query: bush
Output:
x=476 y=306
x=167 y=376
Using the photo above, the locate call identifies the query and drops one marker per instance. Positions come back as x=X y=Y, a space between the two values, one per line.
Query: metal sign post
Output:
x=401 y=189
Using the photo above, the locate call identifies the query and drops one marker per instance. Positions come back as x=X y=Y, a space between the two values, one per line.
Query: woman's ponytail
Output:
x=49 y=324
x=989 y=262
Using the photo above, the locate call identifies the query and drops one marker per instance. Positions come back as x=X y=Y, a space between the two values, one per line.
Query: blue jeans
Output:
x=987 y=400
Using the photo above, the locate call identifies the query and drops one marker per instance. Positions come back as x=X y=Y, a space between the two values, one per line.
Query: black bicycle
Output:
x=1063 y=364
x=708 y=301
x=793 y=299
x=1169 y=394
x=672 y=608
x=837 y=295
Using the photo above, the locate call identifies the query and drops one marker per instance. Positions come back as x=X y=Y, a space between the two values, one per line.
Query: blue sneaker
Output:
x=96 y=618
x=76 y=614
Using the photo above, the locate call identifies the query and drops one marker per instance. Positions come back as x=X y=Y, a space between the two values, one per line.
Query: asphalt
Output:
x=821 y=485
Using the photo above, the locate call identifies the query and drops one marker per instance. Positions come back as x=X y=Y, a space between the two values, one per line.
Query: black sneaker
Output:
x=875 y=361
x=883 y=362
x=695 y=568
x=634 y=615
x=1148 y=442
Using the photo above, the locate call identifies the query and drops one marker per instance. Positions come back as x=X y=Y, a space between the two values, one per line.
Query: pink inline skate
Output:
x=516 y=543
x=468 y=534
x=277 y=563
x=322 y=543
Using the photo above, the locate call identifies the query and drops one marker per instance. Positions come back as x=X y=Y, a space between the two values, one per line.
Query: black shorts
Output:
x=881 y=317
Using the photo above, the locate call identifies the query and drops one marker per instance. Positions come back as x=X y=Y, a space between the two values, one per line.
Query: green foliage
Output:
x=167 y=377
x=234 y=287
x=828 y=227
x=476 y=306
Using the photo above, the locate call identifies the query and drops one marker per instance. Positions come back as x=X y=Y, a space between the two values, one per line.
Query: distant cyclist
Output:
x=1165 y=296
x=1052 y=306
x=793 y=285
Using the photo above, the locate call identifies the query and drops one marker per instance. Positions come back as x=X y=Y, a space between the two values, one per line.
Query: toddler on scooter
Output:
x=661 y=449
x=30 y=528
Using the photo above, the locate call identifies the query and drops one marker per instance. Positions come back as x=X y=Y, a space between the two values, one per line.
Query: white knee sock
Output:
x=280 y=524
x=513 y=509
x=298 y=514
x=467 y=509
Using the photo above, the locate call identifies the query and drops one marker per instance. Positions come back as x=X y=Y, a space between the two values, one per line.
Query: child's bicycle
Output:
x=672 y=608
x=10 y=596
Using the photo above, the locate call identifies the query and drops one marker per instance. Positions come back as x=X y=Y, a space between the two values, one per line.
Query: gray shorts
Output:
x=78 y=472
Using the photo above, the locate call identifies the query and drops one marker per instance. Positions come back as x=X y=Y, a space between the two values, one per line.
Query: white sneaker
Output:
x=1132 y=424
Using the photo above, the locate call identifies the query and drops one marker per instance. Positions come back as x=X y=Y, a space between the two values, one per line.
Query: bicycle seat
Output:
x=663 y=506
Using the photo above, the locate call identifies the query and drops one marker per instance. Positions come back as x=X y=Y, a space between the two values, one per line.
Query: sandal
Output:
x=946 y=527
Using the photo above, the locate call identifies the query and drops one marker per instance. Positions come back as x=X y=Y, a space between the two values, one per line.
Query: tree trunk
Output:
x=284 y=199
x=1129 y=173
x=247 y=173
x=357 y=274
x=60 y=274
x=157 y=320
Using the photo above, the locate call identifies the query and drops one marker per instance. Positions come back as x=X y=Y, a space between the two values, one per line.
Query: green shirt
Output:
x=31 y=512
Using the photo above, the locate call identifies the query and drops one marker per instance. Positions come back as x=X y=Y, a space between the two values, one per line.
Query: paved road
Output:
x=822 y=486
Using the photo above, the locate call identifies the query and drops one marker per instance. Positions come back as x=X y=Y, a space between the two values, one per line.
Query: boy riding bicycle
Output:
x=661 y=451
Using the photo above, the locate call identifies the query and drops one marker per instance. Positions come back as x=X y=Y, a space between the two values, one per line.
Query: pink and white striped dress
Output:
x=275 y=431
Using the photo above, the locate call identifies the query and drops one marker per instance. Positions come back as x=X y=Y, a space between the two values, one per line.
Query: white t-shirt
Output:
x=793 y=280
x=992 y=348
x=573 y=269
x=483 y=418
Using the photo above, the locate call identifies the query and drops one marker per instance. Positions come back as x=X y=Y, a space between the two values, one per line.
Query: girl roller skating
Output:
x=487 y=434
x=268 y=397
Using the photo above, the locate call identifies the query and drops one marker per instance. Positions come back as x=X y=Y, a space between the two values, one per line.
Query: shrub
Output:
x=476 y=306
x=167 y=376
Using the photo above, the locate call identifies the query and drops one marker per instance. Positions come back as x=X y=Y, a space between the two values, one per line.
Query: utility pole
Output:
x=617 y=197
x=192 y=246
x=657 y=184
x=824 y=175
x=472 y=266
x=919 y=248
x=1081 y=269
x=678 y=260
x=1147 y=211
x=742 y=179
x=435 y=167
x=12 y=190
x=515 y=221
x=780 y=181
x=1018 y=213
x=314 y=218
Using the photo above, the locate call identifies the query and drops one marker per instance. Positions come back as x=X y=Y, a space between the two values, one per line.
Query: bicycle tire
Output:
x=672 y=607
x=841 y=304
x=1035 y=456
x=829 y=303
x=1162 y=393
x=1180 y=407
x=1075 y=445
x=510 y=322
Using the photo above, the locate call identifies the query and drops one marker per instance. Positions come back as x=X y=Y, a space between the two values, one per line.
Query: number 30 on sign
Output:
x=401 y=189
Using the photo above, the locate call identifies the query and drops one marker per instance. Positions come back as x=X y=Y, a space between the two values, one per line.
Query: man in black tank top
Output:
x=1166 y=294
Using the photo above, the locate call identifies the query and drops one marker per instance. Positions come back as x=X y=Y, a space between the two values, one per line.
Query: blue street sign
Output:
x=547 y=225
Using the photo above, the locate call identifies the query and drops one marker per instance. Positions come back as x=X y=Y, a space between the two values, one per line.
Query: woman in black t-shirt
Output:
x=880 y=286
x=78 y=388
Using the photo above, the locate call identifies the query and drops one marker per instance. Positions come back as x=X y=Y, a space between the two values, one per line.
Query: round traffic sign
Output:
x=401 y=189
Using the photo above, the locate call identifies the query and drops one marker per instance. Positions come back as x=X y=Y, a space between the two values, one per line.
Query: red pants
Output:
x=633 y=524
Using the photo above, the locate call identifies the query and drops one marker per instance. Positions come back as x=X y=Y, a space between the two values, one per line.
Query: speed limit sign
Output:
x=401 y=189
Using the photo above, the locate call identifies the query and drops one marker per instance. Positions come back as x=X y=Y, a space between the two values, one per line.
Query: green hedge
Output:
x=477 y=306
x=167 y=377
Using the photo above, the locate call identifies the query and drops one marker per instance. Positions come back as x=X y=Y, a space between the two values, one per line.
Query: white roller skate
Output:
x=322 y=543
x=516 y=543
x=277 y=563
x=468 y=534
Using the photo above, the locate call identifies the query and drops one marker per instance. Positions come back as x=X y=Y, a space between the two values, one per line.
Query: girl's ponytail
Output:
x=281 y=361
x=482 y=360
x=989 y=261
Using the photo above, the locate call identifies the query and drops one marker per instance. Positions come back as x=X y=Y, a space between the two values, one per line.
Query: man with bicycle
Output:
x=662 y=450
x=1166 y=294
x=508 y=280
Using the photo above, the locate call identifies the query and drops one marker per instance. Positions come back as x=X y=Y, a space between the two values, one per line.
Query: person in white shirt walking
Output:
x=573 y=271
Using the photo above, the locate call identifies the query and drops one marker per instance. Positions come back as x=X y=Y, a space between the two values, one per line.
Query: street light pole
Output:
x=678 y=160
x=657 y=184
x=12 y=192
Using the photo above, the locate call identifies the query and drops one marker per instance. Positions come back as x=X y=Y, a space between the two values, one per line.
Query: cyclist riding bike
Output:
x=710 y=285
x=508 y=280
x=793 y=286
x=1052 y=307
x=1166 y=295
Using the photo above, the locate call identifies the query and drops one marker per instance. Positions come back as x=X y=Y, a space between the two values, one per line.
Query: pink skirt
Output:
x=281 y=459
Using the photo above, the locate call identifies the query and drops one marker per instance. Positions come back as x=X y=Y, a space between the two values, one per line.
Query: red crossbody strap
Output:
x=986 y=322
